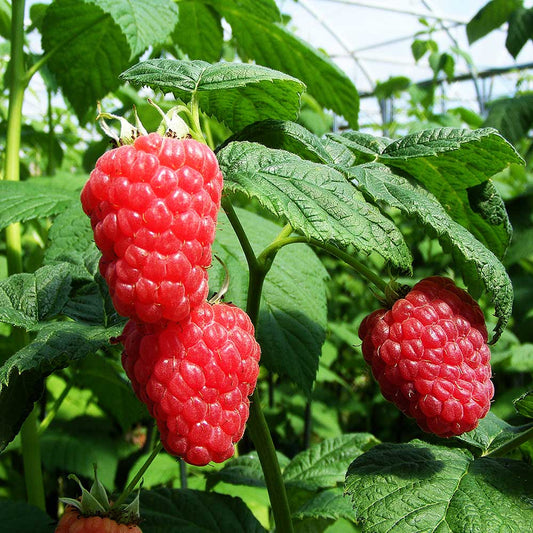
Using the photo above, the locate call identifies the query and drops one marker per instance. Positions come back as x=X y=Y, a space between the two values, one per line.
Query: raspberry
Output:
x=74 y=522
x=153 y=207
x=430 y=357
x=195 y=378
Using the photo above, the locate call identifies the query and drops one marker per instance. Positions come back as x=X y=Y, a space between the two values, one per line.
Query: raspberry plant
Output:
x=112 y=352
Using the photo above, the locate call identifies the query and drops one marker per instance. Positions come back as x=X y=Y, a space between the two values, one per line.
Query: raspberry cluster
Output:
x=430 y=356
x=153 y=207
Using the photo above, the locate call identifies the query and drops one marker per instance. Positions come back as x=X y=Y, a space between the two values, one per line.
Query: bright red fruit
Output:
x=153 y=207
x=195 y=377
x=430 y=356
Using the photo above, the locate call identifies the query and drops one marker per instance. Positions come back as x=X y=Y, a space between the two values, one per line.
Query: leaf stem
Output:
x=257 y=426
x=511 y=444
x=140 y=473
x=350 y=260
x=55 y=408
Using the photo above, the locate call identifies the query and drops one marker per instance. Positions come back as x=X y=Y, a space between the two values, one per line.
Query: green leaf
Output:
x=264 y=9
x=524 y=404
x=419 y=48
x=199 y=31
x=512 y=117
x=448 y=162
x=420 y=487
x=330 y=503
x=21 y=201
x=392 y=87
x=144 y=23
x=27 y=300
x=21 y=376
x=237 y=94
x=22 y=517
x=272 y=45
x=177 y=511
x=324 y=465
x=115 y=395
x=315 y=199
x=87 y=40
x=242 y=470
x=71 y=241
x=284 y=135
x=293 y=313
x=477 y=263
x=5 y=19
x=491 y=433
x=353 y=147
x=520 y=30
x=491 y=16
x=77 y=452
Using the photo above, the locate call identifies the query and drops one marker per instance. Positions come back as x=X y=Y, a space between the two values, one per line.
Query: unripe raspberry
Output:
x=153 y=207
x=430 y=356
x=195 y=378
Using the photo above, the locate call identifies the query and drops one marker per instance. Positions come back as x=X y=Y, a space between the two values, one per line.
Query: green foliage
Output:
x=436 y=488
x=235 y=94
x=358 y=210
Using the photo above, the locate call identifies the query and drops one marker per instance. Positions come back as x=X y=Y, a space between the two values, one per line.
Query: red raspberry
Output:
x=74 y=522
x=195 y=377
x=153 y=208
x=430 y=356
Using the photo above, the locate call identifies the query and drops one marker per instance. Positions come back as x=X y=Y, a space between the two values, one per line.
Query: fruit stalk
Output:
x=257 y=425
x=30 y=443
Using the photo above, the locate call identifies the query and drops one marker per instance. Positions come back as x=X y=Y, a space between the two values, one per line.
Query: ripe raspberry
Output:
x=430 y=356
x=195 y=377
x=153 y=207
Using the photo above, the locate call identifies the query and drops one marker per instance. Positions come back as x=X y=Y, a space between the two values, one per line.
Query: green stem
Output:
x=350 y=260
x=511 y=444
x=257 y=426
x=133 y=483
x=196 y=128
x=31 y=453
x=55 y=408
x=31 y=458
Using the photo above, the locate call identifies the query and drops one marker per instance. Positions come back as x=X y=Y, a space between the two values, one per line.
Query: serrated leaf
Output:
x=420 y=487
x=477 y=263
x=524 y=404
x=354 y=148
x=63 y=451
x=520 y=30
x=21 y=201
x=315 y=199
x=491 y=433
x=144 y=22
x=293 y=313
x=27 y=300
x=272 y=45
x=199 y=31
x=448 y=162
x=237 y=94
x=242 y=470
x=491 y=16
x=324 y=465
x=512 y=117
x=284 y=135
x=115 y=396
x=330 y=503
x=71 y=241
x=264 y=9
x=22 y=517
x=22 y=375
x=176 y=511
x=87 y=40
